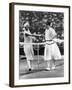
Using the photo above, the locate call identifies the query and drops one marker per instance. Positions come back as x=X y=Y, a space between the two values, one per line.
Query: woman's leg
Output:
x=53 y=64
x=48 y=65
x=29 y=64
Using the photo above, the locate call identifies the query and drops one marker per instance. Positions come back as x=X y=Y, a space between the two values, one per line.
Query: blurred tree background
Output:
x=36 y=20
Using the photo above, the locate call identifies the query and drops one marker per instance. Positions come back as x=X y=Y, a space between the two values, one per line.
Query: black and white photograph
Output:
x=41 y=44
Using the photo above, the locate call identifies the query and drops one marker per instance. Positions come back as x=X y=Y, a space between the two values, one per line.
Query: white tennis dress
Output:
x=28 y=48
x=51 y=49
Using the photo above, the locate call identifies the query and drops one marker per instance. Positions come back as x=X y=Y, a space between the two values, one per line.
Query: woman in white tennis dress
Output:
x=51 y=52
x=28 y=48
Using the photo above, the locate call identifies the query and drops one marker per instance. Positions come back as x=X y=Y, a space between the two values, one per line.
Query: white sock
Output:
x=28 y=62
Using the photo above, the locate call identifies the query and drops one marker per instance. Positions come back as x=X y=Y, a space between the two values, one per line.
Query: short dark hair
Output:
x=48 y=23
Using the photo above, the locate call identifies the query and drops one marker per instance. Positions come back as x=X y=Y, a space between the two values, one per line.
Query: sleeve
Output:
x=27 y=33
x=46 y=35
x=53 y=33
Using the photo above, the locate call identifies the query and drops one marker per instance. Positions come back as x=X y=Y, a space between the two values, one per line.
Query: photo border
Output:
x=11 y=43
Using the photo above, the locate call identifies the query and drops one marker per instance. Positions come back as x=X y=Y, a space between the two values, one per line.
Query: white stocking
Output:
x=28 y=62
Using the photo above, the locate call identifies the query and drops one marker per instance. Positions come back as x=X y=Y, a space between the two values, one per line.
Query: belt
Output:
x=49 y=42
